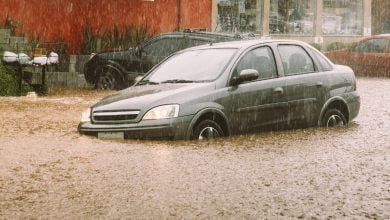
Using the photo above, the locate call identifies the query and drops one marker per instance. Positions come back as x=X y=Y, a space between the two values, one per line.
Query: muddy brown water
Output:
x=47 y=170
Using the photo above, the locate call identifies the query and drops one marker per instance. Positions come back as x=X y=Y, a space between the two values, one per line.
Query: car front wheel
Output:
x=333 y=118
x=207 y=130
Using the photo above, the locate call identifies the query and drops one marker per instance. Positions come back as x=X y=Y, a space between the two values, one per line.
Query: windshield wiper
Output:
x=147 y=82
x=178 y=81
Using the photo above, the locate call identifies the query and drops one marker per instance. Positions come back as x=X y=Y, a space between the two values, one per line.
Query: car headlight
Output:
x=86 y=116
x=161 y=112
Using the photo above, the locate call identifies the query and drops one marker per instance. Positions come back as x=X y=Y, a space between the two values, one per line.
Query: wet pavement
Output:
x=48 y=170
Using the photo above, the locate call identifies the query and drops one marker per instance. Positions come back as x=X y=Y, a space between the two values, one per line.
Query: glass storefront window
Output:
x=292 y=17
x=342 y=17
x=239 y=16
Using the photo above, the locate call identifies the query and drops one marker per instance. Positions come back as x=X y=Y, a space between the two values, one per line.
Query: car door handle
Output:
x=278 y=90
x=319 y=84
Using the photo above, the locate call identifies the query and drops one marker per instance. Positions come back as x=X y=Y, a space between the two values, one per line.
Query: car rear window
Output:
x=325 y=65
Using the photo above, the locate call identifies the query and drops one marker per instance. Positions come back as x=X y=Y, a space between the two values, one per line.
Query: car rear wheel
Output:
x=333 y=118
x=109 y=79
x=207 y=130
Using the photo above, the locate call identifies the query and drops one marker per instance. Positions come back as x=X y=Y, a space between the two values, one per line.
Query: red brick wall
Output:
x=51 y=19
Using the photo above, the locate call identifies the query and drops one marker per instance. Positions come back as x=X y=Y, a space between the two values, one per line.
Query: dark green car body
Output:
x=291 y=90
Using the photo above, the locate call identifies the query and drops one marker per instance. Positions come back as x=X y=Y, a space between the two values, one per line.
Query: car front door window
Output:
x=260 y=59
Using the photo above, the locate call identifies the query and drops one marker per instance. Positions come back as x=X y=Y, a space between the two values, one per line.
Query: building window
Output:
x=292 y=17
x=342 y=17
x=239 y=16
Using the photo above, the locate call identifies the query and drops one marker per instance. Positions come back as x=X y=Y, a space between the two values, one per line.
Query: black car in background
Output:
x=118 y=70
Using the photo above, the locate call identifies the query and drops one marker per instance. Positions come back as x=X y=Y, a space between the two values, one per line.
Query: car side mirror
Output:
x=244 y=76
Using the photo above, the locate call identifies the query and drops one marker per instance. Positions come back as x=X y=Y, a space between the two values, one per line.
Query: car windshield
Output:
x=191 y=66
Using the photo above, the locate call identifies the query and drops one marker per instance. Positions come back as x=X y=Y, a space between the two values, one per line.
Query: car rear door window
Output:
x=164 y=47
x=295 y=60
x=261 y=59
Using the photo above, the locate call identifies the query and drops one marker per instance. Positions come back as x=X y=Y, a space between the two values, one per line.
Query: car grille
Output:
x=114 y=116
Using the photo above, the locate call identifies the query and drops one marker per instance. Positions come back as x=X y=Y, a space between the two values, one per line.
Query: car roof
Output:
x=211 y=34
x=381 y=36
x=244 y=43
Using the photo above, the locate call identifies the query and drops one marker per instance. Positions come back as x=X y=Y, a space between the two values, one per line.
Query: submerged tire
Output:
x=109 y=79
x=333 y=118
x=207 y=130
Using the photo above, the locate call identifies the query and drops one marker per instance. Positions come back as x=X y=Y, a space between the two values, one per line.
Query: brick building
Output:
x=320 y=21
x=51 y=19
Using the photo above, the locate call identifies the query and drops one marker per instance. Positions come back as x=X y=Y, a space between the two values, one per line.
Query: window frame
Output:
x=236 y=17
x=272 y=17
x=361 y=29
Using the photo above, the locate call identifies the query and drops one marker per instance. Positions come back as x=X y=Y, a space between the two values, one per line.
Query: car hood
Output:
x=147 y=96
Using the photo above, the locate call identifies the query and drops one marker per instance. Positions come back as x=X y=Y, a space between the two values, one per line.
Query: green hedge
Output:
x=317 y=46
x=9 y=83
x=336 y=46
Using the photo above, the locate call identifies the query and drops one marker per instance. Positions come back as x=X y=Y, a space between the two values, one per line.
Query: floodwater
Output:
x=48 y=170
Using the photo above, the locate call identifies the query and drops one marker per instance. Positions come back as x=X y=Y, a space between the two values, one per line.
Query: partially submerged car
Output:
x=369 y=57
x=226 y=89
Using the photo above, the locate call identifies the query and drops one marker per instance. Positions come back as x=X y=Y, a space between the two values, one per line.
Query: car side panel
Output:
x=305 y=94
x=256 y=104
x=341 y=86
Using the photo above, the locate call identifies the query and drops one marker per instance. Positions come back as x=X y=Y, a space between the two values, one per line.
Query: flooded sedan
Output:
x=49 y=171
x=227 y=89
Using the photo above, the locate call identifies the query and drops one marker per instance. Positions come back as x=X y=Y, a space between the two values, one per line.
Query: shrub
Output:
x=104 y=40
x=9 y=85
x=317 y=46
x=335 y=46
x=15 y=26
x=89 y=42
